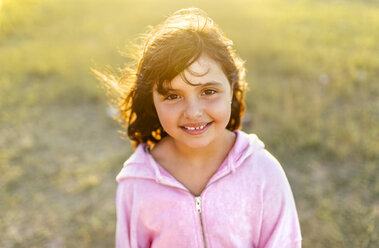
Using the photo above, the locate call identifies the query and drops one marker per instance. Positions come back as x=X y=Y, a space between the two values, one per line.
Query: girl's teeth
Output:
x=195 y=128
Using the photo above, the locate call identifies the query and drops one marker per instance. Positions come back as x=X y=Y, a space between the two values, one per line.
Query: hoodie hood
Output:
x=249 y=204
x=142 y=165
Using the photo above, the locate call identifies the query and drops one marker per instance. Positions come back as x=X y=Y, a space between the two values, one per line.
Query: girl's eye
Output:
x=172 y=97
x=209 y=92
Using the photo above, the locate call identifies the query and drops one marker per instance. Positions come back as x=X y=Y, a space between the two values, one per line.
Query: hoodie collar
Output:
x=142 y=165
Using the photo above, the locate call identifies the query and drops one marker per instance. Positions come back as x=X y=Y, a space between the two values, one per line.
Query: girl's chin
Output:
x=196 y=145
x=199 y=142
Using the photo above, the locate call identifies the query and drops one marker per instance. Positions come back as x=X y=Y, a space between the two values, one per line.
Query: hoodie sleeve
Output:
x=280 y=225
x=123 y=217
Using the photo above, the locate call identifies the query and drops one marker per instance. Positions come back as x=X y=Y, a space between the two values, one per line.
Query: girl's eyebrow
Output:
x=200 y=85
x=211 y=83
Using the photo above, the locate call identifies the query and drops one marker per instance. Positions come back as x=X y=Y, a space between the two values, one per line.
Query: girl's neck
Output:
x=197 y=157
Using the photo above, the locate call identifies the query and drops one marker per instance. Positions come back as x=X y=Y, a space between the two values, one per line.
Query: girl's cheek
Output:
x=219 y=102
x=172 y=107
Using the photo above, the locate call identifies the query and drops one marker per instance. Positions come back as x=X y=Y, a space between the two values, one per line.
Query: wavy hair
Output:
x=165 y=52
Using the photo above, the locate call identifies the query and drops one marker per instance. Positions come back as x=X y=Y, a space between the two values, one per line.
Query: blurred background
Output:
x=313 y=73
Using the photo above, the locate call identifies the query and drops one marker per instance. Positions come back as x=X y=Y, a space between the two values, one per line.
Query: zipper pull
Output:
x=198 y=203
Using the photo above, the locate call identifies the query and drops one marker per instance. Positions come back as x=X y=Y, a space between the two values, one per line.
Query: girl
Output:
x=194 y=179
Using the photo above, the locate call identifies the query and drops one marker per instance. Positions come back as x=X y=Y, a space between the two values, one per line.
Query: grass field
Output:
x=313 y=73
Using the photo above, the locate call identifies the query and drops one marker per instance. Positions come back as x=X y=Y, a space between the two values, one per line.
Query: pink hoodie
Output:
x=247 y=203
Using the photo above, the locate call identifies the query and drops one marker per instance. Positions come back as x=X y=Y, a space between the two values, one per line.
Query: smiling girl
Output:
x=195 y=179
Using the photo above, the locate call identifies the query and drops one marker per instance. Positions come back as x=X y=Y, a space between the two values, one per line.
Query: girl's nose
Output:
x=193 y=110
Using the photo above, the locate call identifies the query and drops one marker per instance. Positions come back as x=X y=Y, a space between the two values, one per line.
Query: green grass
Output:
x=313 y=72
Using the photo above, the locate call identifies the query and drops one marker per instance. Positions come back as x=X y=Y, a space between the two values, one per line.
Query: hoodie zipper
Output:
x=198 y=203
x=198 y=208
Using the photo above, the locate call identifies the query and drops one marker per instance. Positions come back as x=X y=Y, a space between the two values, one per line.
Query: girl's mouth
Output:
x=196 y=129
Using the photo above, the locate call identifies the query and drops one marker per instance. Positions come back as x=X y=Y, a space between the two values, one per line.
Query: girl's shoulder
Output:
x=137 y=165
x=261 y=164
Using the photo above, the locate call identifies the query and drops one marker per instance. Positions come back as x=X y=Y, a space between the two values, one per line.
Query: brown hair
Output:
x=166 y=51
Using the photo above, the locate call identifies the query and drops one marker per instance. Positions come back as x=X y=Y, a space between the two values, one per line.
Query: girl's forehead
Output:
x=199 y=74
x=203 y=71
x=203 y=65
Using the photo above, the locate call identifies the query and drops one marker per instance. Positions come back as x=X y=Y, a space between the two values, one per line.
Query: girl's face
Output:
x=196 y=116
